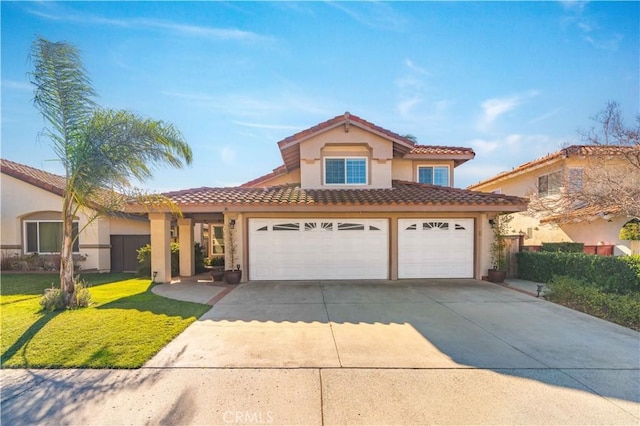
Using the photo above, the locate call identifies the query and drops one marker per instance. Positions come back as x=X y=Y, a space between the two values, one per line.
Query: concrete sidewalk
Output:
x=358 y=352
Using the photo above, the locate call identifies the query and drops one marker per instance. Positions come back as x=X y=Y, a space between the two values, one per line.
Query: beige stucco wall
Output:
x=21 y=201
x=337 y=142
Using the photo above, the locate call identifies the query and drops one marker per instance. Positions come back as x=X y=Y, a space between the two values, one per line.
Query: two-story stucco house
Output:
x=351 y=201
x=31 y=223
x=548 y=177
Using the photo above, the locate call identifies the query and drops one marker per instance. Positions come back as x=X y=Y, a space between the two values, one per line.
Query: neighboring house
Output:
x=31 y=223
x=547 y=177
x=351 y=201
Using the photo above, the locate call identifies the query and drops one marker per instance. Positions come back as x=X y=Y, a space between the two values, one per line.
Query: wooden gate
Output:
x=124 y=251
x=512 y=247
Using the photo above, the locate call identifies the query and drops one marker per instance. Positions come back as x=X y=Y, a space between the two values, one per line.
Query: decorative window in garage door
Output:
x=460 y=227
x=413 y=227
x=318 y=226
x=444 y=226
x=294 y=226
x=346 y=226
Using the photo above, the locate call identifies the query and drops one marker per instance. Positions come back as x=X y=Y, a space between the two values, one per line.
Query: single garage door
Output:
x=318 y=249
x=435 y=248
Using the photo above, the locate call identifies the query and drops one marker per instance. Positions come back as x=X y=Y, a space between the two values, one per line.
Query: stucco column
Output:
x=393 y=244
x=187 y=251
x=161 y=246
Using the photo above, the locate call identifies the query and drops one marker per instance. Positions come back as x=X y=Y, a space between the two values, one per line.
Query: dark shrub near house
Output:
x=619 y=275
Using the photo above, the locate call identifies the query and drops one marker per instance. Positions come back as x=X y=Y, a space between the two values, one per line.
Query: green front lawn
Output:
x=124 y=327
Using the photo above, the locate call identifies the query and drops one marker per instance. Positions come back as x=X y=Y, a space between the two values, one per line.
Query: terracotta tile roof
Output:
x=583 y=214
x=571 y=151
x=40 y=178
x=291 y=152
x=458 y=154
x=402 y=193
x=441 y=150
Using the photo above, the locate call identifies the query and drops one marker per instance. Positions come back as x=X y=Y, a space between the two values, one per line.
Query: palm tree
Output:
x=101 y=150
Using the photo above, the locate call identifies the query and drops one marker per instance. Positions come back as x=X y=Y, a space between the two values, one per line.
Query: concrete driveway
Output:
x=371 y=352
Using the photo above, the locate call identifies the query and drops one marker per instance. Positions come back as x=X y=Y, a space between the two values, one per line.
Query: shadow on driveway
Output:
x=412 y=324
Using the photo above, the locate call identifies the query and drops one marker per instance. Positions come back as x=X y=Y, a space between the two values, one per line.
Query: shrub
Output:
x=144 y=259
x=585 y=297
x=631 y=230
x=620 y=274
x=53 y=299
x=563 y=247
x=81 y=296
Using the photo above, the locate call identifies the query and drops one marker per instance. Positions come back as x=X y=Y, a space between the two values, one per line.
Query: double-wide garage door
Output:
x=311 y=249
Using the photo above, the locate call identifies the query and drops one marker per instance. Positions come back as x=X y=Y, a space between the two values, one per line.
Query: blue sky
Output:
x=512 y=80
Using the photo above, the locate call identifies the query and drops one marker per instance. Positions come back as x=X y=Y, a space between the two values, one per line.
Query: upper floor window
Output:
x=434 y=175
x=575 y=179
x=549 y=184
x=45 y=236
x=345 y=171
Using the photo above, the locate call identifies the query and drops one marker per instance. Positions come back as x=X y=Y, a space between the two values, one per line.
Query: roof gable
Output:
x=290 y=146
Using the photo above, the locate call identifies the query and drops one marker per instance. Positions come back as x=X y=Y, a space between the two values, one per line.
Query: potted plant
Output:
x=232 y=276
x=217 y=268
x=499 y=260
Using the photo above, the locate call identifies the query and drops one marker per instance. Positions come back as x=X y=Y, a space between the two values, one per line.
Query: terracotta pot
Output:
x=232 y=277
x=497 y=275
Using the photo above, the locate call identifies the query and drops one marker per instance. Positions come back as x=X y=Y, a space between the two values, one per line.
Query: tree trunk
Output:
x=66 y=255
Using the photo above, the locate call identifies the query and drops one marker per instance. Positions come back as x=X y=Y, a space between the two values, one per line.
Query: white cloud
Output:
x=406 y=106
x=494 y=108
x=481 y=146
x=546 y=115
x=227 y=155
x=373 y=14
x=413 y=67
x=176 y=28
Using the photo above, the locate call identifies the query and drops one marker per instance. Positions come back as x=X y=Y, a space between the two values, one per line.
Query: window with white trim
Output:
x=549 y=184
x=345 y=171
x=45 y=236
x=434 y=175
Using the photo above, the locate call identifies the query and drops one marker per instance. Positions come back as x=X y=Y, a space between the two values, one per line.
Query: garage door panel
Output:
x=435 y=248
x=318 y=249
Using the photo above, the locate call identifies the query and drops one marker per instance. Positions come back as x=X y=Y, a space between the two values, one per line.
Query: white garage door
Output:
x=435 y=248
x=312 y=249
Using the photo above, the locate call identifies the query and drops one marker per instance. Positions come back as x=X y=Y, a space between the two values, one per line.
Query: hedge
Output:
x=623 y=309
x=612 y=274
x=563 y=247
